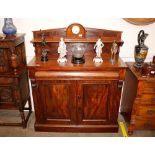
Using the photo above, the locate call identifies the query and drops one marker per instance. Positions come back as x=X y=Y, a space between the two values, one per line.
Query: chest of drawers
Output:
x=138 y=100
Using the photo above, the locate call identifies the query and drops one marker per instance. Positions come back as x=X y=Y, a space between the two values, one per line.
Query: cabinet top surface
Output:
x=138 y=73
x=69 y=66
x=11 y=41
x=10 y=38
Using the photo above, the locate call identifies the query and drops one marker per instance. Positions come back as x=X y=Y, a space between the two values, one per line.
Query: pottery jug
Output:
x=141 y=50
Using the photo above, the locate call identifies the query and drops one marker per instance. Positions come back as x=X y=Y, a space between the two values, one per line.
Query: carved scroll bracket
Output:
x=120 y=84
x=33 y=83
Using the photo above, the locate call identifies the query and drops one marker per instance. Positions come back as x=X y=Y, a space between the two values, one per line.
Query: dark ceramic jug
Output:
x=9 y=28
x=141 y=50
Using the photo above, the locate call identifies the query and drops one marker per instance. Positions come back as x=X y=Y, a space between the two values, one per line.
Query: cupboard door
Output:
x=57 y=100
x=97 y=102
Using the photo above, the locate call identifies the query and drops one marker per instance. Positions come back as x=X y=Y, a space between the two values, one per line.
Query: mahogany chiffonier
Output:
x=14 y=87
x=138 y=100
x=72 y=97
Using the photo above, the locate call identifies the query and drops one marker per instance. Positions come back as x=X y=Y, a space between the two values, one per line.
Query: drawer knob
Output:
x=79 y=98
x=153 y=99
x=147 y=125
x=150 y=112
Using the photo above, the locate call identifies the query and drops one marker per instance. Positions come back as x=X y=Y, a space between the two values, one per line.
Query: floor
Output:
x=6 y=131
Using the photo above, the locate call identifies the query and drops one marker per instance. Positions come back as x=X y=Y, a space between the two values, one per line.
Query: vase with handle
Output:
x=141 y=50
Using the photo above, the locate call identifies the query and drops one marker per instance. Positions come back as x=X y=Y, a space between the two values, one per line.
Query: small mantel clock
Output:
x=75 y=30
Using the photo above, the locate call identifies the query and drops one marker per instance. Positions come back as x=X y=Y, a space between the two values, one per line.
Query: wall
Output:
x=129 y=36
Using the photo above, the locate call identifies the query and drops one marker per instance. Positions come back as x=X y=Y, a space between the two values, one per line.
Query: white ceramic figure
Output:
x=98 y=46
x=62 y=51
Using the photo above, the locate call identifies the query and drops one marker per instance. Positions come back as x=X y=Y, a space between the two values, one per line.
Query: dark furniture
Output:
x=138 y=99
x=14 y=88
x=76 y=97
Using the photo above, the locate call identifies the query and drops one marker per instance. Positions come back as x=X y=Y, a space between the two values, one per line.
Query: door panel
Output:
x=58 y=101
x=96 y=102
x=7 y=97
x=92 y=99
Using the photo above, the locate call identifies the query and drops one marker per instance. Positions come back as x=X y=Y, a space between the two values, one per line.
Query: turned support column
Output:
x=14 y=61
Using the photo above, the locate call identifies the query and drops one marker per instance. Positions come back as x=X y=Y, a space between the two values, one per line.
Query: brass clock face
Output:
x=75 y=29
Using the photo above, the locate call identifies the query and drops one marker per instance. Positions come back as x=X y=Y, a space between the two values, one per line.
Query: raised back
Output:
x=85 y=37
